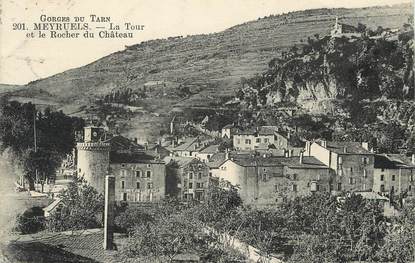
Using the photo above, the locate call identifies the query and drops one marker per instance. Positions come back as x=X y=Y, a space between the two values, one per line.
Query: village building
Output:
x=188 y=147
x=139 y=176
x=352 y=163
x=265 y=180
x=207 y=152
x=394 y=174
x=266 y=137
x=227 y=131
x=192 y=178
x=344 y=30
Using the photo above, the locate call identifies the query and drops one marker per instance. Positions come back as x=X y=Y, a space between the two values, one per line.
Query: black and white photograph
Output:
x=196 y=131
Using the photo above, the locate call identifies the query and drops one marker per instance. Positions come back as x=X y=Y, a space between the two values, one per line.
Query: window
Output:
x=383 y=169
x=138 y=174
x=199 y=176
x=123 y=173
x=122 y=184
x=149 y=185
x=351 y=180
x=294 y=177
x=258 y=140
x=190 y=185
x=197 y=185
x=264 y=177
x=138 y=185
x=190 y=175
x=365 y=160
x=123 y=165
x=382 y=177
x=412 y=178
x=148 y=173
x=340 y=172
x=392 y=189
x=393 y=177
x=382 y=188
x=210 y=174
x=238 y=141
x=364 y=173
x=124 y=196
x=351 y=170
x=294 y=188
x=138 y=197
x=313 y=187
x=266 y=140
x=410 y=188
x=340 y=159
x=339 y=186
x=247 y=141
x=148 y=165
x=276 y=188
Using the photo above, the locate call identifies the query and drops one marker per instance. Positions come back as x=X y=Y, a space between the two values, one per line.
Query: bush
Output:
x=31 y=221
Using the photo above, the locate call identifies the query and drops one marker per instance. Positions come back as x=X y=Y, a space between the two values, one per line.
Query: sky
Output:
x=25 y=59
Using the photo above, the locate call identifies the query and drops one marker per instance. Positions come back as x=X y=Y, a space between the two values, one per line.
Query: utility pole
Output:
x=35 y=144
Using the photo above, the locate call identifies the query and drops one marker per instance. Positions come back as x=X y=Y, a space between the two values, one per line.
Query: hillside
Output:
x=208 y=64
x=193 y=71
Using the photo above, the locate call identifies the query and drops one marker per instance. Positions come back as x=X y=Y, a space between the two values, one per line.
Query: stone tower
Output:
x=93 y=158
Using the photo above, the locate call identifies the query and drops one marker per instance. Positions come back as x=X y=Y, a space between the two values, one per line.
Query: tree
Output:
x=55 y=137
x=81 y=208
x=31 y=221
x=400 y=240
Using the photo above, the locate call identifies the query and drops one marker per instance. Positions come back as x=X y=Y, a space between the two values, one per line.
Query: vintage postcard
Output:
x=207 y=131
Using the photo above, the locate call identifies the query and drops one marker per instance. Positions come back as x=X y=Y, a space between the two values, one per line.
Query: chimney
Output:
x=324 y=143
x=307 y=148
x=365 y=145
x=301 y=157
x=345 y=149
x=289 y=135
x=109 y=212
x=145 y=147
x=286 y=153
x=226 y=155
x=413 y=158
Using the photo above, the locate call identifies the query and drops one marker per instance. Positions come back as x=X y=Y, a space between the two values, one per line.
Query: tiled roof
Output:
x=392 y=161
x=189 y=144
x=78 y=246
x=351 y=147
x=181 y=161
x=261 y=130
x=210 y=149
x=119 y=143
x=308 y=162
x=139 y=157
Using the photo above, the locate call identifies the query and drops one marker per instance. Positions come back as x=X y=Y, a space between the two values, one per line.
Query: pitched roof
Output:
x=120 y=143
x=181 y=161
x=392 y=161
x=351 y=147
x=309 y=162
x=210 y=149
x=138 y=157
x=53 y=205
x=190 y=143
x=261 y=130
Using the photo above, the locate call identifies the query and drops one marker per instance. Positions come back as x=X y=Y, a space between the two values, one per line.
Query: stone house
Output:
x=192 y=177
x=394 y=173
x=351 y=162
x=265 y=137
x=265 y=179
